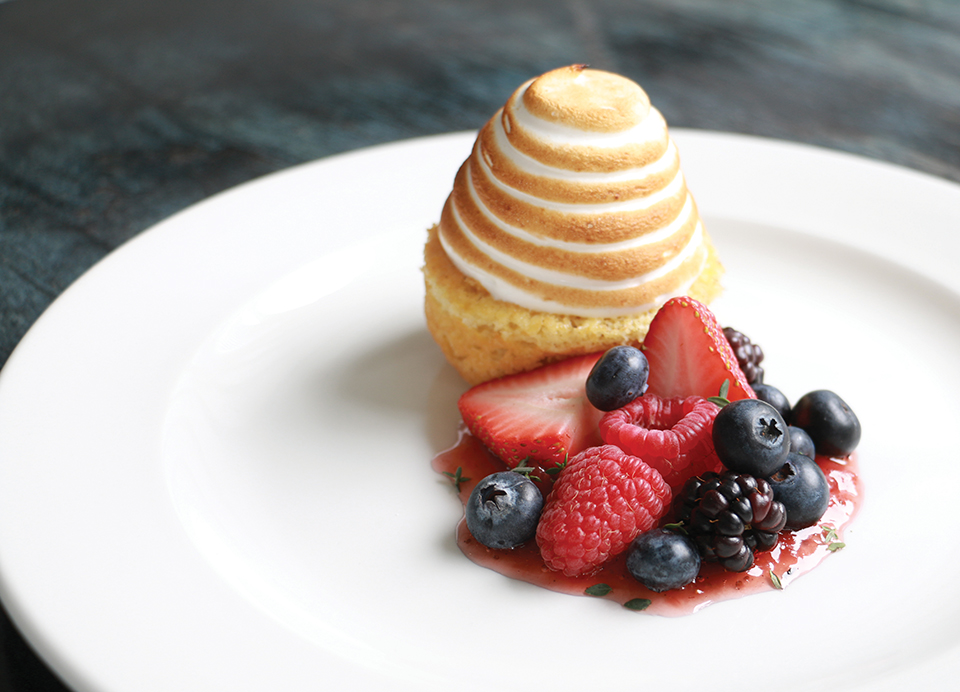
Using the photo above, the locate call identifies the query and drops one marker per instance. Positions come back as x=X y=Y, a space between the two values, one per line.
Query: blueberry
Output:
x=802 y=488
x=829 y=421
x=774 y=397
x=503 y=510
x=800 y=442
x=619 y=377
x=750 y=437
x=663 y=560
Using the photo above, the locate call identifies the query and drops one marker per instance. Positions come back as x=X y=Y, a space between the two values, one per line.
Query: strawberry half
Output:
x=542 y=415
x=689 y=355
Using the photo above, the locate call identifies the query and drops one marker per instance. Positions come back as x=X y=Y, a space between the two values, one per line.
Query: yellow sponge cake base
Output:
x=485 y=338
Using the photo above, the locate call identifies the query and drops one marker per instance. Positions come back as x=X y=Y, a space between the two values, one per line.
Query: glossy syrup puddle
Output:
x=796 y=552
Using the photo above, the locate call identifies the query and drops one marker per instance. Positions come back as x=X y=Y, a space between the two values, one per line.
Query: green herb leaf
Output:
x=679 y=527
x=829 y=533
x=598 y=590
x=457 y=477
x=722 y=399
x=560 y=466
x=775 y=580
x=835 y=546
x=524 y=469
x=637 y=604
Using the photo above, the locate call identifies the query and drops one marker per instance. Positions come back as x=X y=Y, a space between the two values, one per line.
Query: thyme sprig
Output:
x=524 y=469
x=456 y=477
x=832 y=538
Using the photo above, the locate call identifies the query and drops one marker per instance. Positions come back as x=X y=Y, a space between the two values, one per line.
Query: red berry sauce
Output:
x=796 y=553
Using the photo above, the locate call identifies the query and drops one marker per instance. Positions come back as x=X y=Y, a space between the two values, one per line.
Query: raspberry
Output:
x=674 y=436
x=601 y=501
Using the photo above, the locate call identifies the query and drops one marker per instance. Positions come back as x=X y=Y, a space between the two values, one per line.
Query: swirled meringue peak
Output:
x=572 y=201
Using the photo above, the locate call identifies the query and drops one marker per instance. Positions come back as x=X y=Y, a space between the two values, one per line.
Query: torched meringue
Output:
x=572 y=201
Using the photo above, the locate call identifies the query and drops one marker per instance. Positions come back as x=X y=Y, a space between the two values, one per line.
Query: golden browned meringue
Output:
x=568 y=225
x=573 y=201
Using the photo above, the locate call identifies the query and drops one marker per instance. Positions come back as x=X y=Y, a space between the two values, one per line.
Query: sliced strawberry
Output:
x=689 y=355
x=542 y=415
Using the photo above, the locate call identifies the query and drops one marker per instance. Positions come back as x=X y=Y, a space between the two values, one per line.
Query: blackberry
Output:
x=730 y=516
x=749 y=355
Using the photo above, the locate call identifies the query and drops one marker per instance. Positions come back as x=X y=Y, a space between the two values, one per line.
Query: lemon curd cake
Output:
x=567 y=227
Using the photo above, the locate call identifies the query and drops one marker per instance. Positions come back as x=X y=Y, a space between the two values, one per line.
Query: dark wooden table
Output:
x=116 y=114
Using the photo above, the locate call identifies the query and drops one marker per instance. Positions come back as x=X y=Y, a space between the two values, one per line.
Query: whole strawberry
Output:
x=602 y=500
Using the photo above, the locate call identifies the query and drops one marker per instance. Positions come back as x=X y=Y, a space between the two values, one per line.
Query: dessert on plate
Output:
x=616 y=441
x=568 y=225
x=661 y=477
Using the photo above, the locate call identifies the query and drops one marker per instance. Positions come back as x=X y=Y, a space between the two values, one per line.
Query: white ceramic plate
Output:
x=215 y=447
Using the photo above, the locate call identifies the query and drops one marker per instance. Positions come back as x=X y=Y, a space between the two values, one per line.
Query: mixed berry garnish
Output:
x=671 y=453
